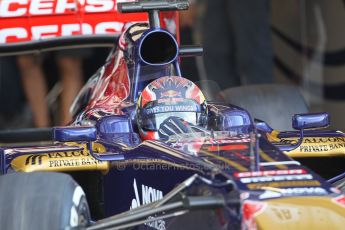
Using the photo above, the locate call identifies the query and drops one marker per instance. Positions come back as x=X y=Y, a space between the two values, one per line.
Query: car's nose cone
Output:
x=302 y=213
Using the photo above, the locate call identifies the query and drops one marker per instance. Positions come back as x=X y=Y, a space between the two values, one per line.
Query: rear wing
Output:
x=28 y=26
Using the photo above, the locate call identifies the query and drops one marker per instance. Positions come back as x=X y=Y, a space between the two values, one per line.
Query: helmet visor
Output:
x=153 y=121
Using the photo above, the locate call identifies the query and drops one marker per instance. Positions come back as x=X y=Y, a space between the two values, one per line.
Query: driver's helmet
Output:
x=166 y=97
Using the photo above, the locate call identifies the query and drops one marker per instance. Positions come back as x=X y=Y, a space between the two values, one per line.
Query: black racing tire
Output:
x=273 y=103
x=41 y=200
x=340 y=184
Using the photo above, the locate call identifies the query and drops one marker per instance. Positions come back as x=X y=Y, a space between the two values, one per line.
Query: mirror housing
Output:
x=77 y=133
x=310 y=121
x=262 y=126
x=114 y=124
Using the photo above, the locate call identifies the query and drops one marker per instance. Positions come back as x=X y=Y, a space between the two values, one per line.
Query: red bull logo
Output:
x=171 y=93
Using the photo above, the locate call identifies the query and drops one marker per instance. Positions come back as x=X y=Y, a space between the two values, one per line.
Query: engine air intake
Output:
x=158 y=48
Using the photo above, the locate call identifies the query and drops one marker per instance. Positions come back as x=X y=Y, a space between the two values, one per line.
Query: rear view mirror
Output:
x=310 y=121
x=71 y=134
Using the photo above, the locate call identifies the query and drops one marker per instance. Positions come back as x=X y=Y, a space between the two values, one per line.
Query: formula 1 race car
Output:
x=151 y=152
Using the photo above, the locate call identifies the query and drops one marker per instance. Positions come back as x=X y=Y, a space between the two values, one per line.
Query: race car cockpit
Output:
x=172 y=106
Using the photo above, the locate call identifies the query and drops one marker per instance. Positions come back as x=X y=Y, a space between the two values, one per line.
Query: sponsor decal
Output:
x=324 y=140
x=278 y=184
x=171 y=108
x=284 y=214
x=148 y=195
x=41 y=19
x=276 y=178
x=336 y=146
x=293 y=191
x=87 y=160
x=314 y=140
x=57 y=30
x=36 y=159
x=171 y=93
x=304 y=190
x=73 y=160
x=317 y=144
x=170 y=100
x=18 y=8
x=158 y=224
x=314 y=148
x=271 y=173
x=321 y=148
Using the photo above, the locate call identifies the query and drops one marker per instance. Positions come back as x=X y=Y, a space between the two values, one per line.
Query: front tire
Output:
x=40 y=200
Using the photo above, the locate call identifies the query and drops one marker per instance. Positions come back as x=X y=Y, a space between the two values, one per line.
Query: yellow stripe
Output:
x=232 y=163
x=273 y=189
x=269 y=159
x=273 y=136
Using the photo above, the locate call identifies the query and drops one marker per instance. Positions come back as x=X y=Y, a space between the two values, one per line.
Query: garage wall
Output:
x=309 y=46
